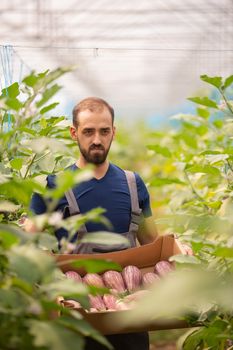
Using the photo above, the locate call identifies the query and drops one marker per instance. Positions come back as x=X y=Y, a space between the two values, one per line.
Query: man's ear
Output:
x=73 y=133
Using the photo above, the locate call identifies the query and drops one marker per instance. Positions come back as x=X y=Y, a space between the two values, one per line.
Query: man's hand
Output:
x=147 y=232
x=27 y=225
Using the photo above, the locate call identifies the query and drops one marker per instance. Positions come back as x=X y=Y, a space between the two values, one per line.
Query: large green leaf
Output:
x=11 y=91
x=202 y=112
x=14 y=103
x=205 y=169
x=160 y=150
x=185 y=259
x=31 y=79
x=107 y=238
x=7 y=239
x=96 y=265
x=16 y=163
x=158 y=182
x=69 y=179
x=49 y=107
x=57 y=73
x=84 y=328
x=204 y=101
x=48 y=94
x=215 y=81
x=224 y=252
x=54 y=336
x=20 y=190
x=66 y=288
x=228 y=82
x=26 y=258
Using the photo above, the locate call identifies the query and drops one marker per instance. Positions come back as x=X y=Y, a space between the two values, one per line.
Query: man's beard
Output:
x=93 y=157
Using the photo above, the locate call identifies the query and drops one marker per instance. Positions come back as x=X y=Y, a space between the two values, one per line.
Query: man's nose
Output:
x=97 y=140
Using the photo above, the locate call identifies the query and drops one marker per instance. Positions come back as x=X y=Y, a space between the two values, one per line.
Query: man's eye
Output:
x=105 y=131
x=87 y=132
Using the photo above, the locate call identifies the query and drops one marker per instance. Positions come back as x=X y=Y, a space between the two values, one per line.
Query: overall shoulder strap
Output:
x=74 y=210
x=131 y=180
x=73 y=205
x=135 y=210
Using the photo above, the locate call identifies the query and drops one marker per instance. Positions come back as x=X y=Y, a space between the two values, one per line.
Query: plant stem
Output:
x=226 y=101
x=194 y=191
x=41 y=157
x=29 y=165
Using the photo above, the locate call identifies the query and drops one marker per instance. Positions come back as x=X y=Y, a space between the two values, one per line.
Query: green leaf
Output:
x=57 y=73
x=213 y=159
x=84 y=328
x=20 y=190
x=54 y=336
x=43 y=123
x=166 y=181
x=218 y=123
x=160 y=150
x=7 y=239
x=65 y=287
x=16 y=163
x=224 y=252
x=68 y=179
x=209 y=152
x=108 y=237
x=11 y=91
x=195 y=340
x=204 y=113
x=214 y=205
x=96 y=265
x=206 y=169
x=31 y=80
x=215 y=81
x=48 y=242
x=49 y=107
x=190 y=120
x=14 y=103
x=184 y=259
x=228 y=82
x=205 y=101
x=48 y=94
x=26 y=258
x=15 y=231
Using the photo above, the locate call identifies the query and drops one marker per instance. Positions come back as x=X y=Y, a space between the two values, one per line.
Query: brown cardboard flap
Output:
x=143 y=256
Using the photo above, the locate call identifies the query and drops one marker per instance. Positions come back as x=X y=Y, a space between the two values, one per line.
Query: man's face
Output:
x=94 y=135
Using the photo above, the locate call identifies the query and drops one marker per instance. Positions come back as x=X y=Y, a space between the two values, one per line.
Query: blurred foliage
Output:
x=33 y=144
x=189 y=172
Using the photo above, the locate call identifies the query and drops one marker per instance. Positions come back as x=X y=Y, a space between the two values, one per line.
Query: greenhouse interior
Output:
x=116 y=182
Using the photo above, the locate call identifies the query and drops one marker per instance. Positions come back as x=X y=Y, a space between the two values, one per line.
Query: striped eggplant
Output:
x=110 y=301
x=74 y=275
x=132 y=277
x=96 y=302
x=149 y=278
x=93 y=279
x=114 y=280
x=163 y=267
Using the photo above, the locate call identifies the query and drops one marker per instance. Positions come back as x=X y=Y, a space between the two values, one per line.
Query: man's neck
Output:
x=99 y=170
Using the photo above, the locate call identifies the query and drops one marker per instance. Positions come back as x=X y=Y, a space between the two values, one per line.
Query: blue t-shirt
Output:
x=111 y=192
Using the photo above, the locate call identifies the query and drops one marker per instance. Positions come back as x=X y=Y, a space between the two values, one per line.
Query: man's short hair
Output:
x=93 y=104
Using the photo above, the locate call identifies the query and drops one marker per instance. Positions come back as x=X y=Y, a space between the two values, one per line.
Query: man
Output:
x=123 y=195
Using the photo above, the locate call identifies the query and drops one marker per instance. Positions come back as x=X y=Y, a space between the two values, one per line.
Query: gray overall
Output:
x=91 y=248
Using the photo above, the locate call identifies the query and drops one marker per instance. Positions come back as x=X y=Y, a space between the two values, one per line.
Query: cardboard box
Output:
x=145 y=257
